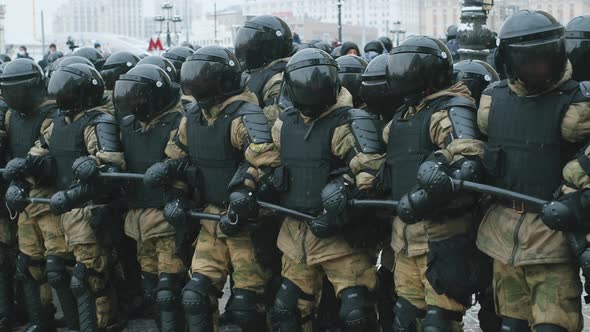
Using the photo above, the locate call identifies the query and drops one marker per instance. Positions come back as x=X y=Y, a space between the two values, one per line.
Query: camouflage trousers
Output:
x=158 y=255
x=539 y=294
x=216 y=258
x=411 y=284
x=356 y=269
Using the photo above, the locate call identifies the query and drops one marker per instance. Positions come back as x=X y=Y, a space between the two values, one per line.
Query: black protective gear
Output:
x=76 y=88
x=375 y=91
x=312 y=82
x=581 y=250
x=256 y=125
x=167 y=298
x=146 y=92
x=259 y=78
x=36 y=311
x=549 y=328
x=323 y=46
x=263 y=40
x=414 y=205
x=374 y=46
x=23 y=85
x=477 y=75
x=16 y=195
x=347 y=47
x=356 y=310
x=93 y=55
x=406 y=315
x=59 y=280
x=6 y=288
x=149 y=282
x=16 y=168
x=439 y=320
x=577 y=34
x=196 y=303
x=532 y=50
x=452 y=32
x=242 y=207
x=434 y=177
x=514 y=325
x=178 y=55
x=117 y=64
x=52 y=57
x=336 y=52
x=66 y=200
x=5 y=58
x=85 y=169
x=540 y=144
x=468 y=169
x=85 y=298
x=367 y=136
x=285 y=315
x=64 y=62
x=142 y=148
x=23 y=129
x=351 y=67
x=241 y=310
x=175 y=213
x=385 y=299
x=335 y=196
x=211 y=75
x=387 y=43
x=420 y=65
x=164 y=64
x=568 y=213
x=162 y=173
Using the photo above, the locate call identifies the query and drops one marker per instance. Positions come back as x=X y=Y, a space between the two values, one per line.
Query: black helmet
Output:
x=477 y=75
x=211 y=75
x=532 y=49
x=336 y=52
x=420 y=65
x=387 y=43
x=347 y=46
x=577 y=34
x=351 y=69
x=375 y=89
x=66 y=61
x=93 y=55
x=4 y=58
x=23 y=85
x=2 y=66
x=311 y=80
x=117 y=64
x=76 y=88
x=323 y=46
x=52 y=57
x=177 y=55
x=452 y=32
x=373 y=49
x=163 y=63
x=145 y=91
x=263 y=40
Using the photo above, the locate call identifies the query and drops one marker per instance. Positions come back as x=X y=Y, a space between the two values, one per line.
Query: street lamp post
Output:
x=168 y=18
x=398 y=31
x=339 y=20
x=473 y=34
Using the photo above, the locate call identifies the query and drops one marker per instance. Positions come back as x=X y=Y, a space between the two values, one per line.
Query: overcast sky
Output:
x=19 y=15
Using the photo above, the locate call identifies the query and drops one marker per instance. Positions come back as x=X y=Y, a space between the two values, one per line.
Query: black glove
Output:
x=162 y=173
x=434 y=177
x=66 y=200
x=16 y=196
x=175 y=212
x=568 y=212
x=413 y=206
x=242 y=207
x=468 y=169
x=15 y=169
x=335 y=196
x=85 y=169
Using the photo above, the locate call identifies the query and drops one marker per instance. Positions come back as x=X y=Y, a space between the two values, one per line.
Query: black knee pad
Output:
x=549 y=328
x=22 y=267
x=195 y=295
x=406 y=315
x=439 y=320
x=284 y=311
x=56 y=272
x=149 y=282
x=78 y=282
x=242 y=307
x=356 y=311
x=167 y=292
x=514 y=325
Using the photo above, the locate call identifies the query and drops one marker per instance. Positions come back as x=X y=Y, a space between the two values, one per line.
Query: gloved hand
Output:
x=335 y=196
x=175 y=212
x=85 y=169
x=16 y=169
x=157 y=175
x=60 y=203
x=16 y=196
x=434 y=177
x=242 y=207
x=568 y=212
x=66 y=200
x=414 y=205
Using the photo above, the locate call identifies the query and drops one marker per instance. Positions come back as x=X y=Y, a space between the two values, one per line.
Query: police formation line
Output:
x=292 y=173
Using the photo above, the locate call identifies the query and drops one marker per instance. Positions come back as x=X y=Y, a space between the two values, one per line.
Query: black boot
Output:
x=85 y=299
x=6 y=289
x=35 y=309
x=59 y=279
x=168 y=301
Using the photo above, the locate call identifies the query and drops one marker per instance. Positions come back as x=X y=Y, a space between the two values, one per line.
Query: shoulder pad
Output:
x=365 y=132
x=256 y=123
x=107 y=133
x=287 y=113
x=459 y=101
x=128 y=120
x=464 y=122
x=488 y=90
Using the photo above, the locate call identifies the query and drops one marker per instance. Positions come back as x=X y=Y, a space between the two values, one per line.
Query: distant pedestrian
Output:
x=22 y=53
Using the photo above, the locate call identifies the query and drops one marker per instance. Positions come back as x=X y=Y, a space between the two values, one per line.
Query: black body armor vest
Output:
x=23 y=130
x=525 y=151
x=306 y=153
x=259 y=79
x=67 y=144
x=210 y=149
x=142 y=150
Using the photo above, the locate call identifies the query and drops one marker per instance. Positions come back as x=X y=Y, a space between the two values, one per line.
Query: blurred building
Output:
x=562 y=10
x=2 y=30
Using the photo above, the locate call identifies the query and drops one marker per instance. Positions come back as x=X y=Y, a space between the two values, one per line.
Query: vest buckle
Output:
x=518 y=206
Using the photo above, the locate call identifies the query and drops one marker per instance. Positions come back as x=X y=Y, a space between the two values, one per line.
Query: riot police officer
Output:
x=227 y=137
x=578 y=45
x=477 y=75
x=436 y=123
x=44 y=254
x=117 y=64
x=178 y=55
x=154 y=119
x=381 y=100
x=263 y=45
x=93 y=55
x=317 y=142
x=529 y=120
x=350 y=70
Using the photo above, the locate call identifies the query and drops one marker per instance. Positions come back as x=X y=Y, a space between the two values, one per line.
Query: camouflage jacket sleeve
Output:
x=453 y=149
x=41 y=147
x=576 y=128
x=102 y=157
x=272 y=89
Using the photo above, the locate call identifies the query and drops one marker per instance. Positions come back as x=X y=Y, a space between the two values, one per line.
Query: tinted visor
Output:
x=111 y=75
x=578 y=52
x=406 y=74
x=132 y=97
x=24 y=94
x=538 y=64
x=64 y=87
x=201 y=79
x=352 y=83
x=313 y=86
x=247 y=47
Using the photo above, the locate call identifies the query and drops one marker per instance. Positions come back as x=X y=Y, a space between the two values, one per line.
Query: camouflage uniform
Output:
x=271 y=92
x=411 y=241
x=535 y=276
x=307 y=258
x=79 y=234
x=217 y=255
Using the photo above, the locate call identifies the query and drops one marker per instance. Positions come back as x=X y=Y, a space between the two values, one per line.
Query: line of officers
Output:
x=309 y=133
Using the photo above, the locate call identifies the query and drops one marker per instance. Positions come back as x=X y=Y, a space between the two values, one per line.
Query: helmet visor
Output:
x=130 y=97
x=64 y=88
x=23 y=95
x=248 y=49
x=314 y=86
